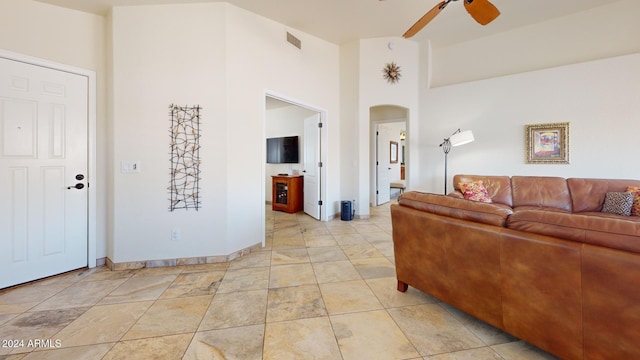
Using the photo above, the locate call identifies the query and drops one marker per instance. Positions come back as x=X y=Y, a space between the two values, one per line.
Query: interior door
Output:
x=383 y=165
x=43 y=172
x=311 y=171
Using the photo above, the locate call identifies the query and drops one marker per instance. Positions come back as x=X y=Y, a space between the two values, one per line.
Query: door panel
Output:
x=383 y=168
x=43 y=124
x=311 y=169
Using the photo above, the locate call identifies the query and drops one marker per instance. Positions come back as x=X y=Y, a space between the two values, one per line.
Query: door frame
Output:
x=91 y=138
x=323 y=147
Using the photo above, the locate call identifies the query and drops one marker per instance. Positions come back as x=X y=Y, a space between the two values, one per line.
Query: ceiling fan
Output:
x=482 y=11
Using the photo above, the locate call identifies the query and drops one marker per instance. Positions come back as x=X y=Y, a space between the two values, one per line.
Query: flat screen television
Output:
x=282 y=150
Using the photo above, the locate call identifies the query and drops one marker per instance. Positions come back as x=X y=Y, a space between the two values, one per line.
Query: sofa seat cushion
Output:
x=485 y=213
x=608 y=230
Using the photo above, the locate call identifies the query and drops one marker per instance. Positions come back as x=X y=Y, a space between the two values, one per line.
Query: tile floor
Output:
x=318 y=290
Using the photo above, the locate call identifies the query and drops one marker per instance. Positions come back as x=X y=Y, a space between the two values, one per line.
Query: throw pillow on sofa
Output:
x=475 y=191
x=635 y=209
x=618 y=203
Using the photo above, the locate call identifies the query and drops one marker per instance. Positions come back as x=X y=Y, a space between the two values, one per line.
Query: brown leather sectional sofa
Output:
x=540 y=262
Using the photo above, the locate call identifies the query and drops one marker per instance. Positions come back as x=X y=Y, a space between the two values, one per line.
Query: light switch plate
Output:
x=128 y=167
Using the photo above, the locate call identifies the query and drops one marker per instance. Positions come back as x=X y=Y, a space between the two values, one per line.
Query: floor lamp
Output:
x=456 y=139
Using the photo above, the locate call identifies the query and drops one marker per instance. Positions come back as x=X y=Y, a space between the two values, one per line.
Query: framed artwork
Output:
x=393 y=151
x=547 y=143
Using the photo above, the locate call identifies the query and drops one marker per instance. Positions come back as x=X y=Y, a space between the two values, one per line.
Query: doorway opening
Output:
x=388 y=154
x=287 y=118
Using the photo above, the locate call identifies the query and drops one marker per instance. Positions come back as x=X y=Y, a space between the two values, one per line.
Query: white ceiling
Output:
x=341 y=21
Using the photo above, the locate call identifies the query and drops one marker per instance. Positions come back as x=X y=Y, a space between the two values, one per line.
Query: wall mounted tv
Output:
x=282 y=150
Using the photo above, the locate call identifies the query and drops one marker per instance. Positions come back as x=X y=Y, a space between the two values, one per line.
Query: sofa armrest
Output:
x=485 y=213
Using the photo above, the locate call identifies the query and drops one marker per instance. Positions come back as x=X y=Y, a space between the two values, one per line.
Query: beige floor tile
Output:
x=433 y=330
x=386 y=291
x=521 y=350
x=170 y=317
x=89 y=352
x=291 y=275
x=238 y=343
x=289 y=256
x=22 y=298
x=335 y=271
x=374 y=268
x=361 y=251
x=239 y=308
x=288 y=242
x=473 y=354
x=36 y=325
x=319 y=241
x=194 y=284
x=350 y=239
x=102 y=324
x=328 y=253
x=301 y=339
x=244 y=280
x=291 y=303
x=85 y=293
x=487 y=333
x=139 y=289
x=371 y=335
x=348 y=296
x=255 y=259
x=317 y=290
x=165 y=347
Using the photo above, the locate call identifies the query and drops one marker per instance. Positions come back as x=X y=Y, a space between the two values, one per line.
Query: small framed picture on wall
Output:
x=547 y=143
x=393 y=150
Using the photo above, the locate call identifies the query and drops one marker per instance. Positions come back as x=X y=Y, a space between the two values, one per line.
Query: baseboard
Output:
x=134 y=265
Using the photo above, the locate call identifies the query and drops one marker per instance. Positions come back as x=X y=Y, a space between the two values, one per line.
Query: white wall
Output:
x=224 y=59
x=72 y=38
x=597 y=33
x=601 y=100
x=367 y=89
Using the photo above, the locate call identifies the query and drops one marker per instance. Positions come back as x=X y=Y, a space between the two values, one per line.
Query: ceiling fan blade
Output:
x=482 y=11
x=424 y=20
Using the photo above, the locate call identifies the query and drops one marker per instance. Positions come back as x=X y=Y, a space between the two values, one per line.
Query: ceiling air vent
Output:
x=294 y=41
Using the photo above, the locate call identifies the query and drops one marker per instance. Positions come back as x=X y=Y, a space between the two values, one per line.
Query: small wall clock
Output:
x=391 y=73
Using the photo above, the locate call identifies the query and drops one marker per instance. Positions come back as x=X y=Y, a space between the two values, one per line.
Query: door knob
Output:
x=76 y=186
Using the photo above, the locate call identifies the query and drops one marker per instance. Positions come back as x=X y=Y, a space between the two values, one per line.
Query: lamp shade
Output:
x=461 y=138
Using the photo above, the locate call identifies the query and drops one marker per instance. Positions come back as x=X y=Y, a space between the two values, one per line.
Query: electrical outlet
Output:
x=175 y=234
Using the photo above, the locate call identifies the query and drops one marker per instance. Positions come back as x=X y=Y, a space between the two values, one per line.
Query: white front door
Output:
x=43 y=172
x=383 y=166
x=311 y=169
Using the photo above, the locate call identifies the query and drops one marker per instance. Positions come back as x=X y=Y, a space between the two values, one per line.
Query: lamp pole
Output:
x=446 y=147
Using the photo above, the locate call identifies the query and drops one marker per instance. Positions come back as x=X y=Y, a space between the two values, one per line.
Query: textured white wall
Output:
x=601 y=100
x=225 y=59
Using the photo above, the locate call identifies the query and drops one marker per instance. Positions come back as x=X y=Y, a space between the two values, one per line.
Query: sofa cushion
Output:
x=618 y=203
x=587 y=195
x=491 y=214
x=475 y=191
x=540 y=191
x=498 y=187
x=608 y=230
x=635 y=190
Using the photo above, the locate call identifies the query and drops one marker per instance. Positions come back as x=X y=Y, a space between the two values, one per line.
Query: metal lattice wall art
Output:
x=185 y=157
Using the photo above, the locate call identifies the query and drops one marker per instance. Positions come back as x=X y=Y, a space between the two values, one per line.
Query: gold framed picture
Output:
x=547 y=143
x=393 y=152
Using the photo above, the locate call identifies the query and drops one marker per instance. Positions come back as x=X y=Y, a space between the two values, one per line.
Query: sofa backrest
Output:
x=589 y=194
x=541 y=191
x=498 y=187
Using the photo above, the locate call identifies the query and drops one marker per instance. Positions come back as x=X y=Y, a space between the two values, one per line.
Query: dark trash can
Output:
x=346 y=211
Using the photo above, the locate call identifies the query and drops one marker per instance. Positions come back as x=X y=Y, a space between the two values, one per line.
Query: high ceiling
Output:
x=341 y=21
